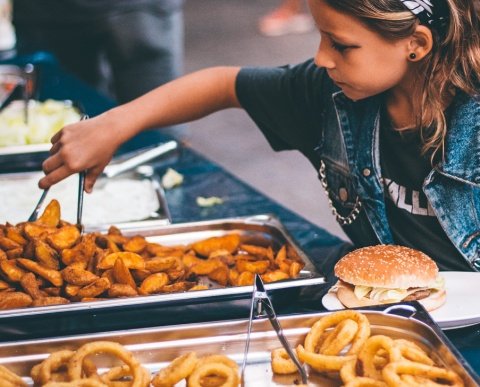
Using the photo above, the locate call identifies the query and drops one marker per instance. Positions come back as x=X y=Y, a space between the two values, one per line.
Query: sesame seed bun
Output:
x=387 y=266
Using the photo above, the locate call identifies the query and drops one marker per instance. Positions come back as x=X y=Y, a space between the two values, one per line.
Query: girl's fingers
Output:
x=56 y=136
x=55 y=148
x=91 y=178
x=52 y=163
x=54 y=177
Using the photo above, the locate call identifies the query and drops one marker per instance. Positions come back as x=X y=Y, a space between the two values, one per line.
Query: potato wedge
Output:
x=14 y=234
x=30 y=286
x=94 y=289
x=8 y=244
x=206 y=267
x=245 y=278
x=74 y=274
x=131 y=260
x=181 y=286
x=159 y=264
x=122 y=275
x=82 y=252
x=52 y=291
x=53 y=276
x=121 y=290
x=228 y=242
x=45 y=301
x=135 y=244
x=46 y=255
x=51 y=215
x=220 y=275
x=14 y=253
x=154 y=283
x=12 y=300
x=11 y=270
x=276 y=275
x=258 y=267
x=64 y=238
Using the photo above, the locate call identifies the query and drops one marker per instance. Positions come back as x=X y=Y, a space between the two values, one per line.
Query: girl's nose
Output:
x=323 y=57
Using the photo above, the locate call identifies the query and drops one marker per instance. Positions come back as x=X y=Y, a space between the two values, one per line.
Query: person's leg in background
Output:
x=144 y=49
x=289 y=17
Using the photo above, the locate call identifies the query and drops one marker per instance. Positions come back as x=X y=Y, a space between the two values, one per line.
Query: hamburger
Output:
x=386 y=274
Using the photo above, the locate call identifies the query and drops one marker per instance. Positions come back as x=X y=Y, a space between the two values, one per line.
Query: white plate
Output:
x=461 y=309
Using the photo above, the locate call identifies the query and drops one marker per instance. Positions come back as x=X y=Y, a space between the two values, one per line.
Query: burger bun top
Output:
x=387 y=266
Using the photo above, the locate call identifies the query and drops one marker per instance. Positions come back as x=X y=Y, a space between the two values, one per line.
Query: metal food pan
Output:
x=106 y=205
x=156 y=347
x=28 y=157
x=173 y=308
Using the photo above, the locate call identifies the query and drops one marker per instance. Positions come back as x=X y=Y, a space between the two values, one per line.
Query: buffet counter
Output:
x=203 y=178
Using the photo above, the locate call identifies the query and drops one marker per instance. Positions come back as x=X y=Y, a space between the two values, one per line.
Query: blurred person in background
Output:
x=123 y=48
x=289 y=17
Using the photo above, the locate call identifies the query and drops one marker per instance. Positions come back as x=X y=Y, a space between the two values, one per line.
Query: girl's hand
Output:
x=87 y=145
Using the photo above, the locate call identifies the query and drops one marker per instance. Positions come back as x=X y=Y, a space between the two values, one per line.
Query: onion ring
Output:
x=52 y=364
x=218 y=359
x=411 y=351
x=339 y=338
x=177 y=370
x=391 y=374
x=281 y=362
x=321 y=362
x=89 y=382
x=10 y=377
x=218 y=369
x=332 y=320
x=76 y=361
x=362 y=381
x=370 y=349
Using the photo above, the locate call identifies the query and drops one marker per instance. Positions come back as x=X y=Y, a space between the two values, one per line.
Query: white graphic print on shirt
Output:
x=408 y=200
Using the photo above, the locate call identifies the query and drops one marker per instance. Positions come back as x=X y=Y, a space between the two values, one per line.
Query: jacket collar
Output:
x=462 y=144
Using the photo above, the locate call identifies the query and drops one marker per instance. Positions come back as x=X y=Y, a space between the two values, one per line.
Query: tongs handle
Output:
x=81 y=191
x=260 y=297
x=143 y=157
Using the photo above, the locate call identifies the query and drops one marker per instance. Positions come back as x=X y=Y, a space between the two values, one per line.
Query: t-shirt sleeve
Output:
x=284 y=102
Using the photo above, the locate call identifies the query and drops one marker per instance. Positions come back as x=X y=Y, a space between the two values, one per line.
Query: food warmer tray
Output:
x=105 y=205
x=174 y=308
x=156 y=347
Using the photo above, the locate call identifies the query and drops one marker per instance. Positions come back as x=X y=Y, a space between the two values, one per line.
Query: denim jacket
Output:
x=352 y=132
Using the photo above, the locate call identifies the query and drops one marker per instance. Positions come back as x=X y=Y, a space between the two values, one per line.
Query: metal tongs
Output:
x=81 y=188
x=261 y=302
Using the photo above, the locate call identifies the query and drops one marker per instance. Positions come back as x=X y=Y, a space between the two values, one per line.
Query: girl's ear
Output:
x=420 y=44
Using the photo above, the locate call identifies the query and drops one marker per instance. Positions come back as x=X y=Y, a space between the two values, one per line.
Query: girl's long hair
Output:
x=452 y=66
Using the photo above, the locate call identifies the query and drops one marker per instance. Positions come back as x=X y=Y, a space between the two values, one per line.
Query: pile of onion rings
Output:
x=340 y=344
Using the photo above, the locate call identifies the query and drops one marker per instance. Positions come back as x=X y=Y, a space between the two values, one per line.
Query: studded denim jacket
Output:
x=352 y=173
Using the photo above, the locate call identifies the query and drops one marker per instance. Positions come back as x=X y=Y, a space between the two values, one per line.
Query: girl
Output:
x=387 y=112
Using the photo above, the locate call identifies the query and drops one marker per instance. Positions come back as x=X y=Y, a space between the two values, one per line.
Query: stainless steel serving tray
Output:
x=163 y=309
x=102 y=207
x=156 y=347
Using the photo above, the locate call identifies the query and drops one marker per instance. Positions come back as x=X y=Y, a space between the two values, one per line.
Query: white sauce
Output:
x=119 y=200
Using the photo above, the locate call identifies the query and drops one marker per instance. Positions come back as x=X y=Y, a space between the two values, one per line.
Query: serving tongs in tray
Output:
x=261 y=302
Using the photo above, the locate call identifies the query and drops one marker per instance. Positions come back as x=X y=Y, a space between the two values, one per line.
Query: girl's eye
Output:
x=339 y=47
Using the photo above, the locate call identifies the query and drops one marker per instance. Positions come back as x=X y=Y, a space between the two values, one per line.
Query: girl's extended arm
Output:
x=89 y=145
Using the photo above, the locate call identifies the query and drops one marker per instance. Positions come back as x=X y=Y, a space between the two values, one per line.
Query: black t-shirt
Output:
x=412 y=221
x=285 y=103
